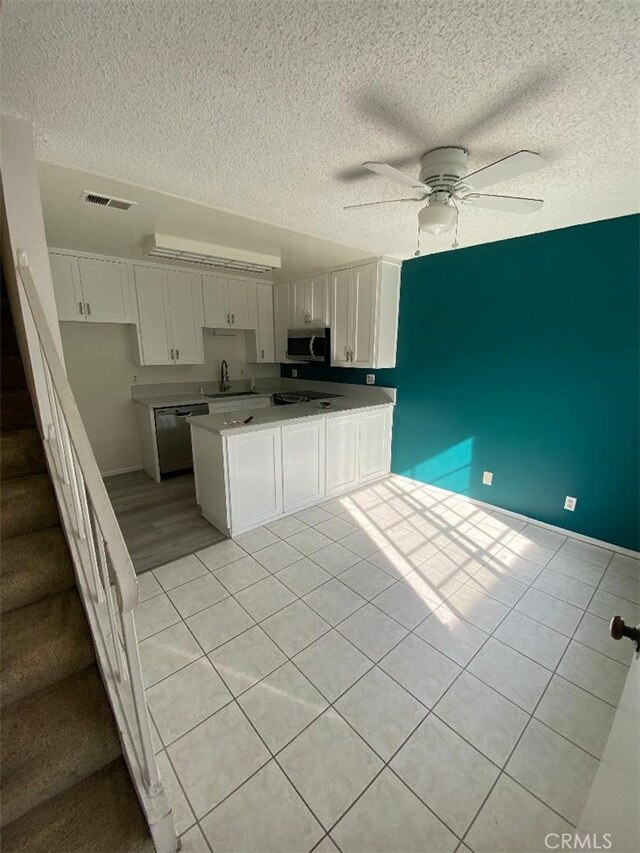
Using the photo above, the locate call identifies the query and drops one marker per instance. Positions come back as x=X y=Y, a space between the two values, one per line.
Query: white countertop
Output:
x=160 y=401
x=276 y=415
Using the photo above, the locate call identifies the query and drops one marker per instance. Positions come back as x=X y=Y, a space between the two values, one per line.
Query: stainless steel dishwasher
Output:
x=173 y=435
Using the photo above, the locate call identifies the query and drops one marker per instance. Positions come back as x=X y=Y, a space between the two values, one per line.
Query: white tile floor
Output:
x=394 y=671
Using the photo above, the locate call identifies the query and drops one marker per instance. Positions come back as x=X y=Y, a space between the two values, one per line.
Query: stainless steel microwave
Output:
x=308 y=345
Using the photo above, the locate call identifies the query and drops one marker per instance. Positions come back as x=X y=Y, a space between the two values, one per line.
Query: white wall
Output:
x=101 y=369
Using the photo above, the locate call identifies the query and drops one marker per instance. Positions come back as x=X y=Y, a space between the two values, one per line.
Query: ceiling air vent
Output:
x=206 y=254
x=106 y=200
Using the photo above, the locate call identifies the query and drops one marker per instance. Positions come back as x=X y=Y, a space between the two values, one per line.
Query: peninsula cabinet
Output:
x=91 y=290
x=247 y=479
x=170 y=316
x=364 y=315
x=227 y=303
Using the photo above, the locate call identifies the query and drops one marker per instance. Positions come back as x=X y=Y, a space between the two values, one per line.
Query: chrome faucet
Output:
x=224 y=376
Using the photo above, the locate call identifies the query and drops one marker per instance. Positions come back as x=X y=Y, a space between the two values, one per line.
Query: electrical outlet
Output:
x=487 y=478
x=294 y=373
x=371 y=379
x=570 y=503
x=135 y=378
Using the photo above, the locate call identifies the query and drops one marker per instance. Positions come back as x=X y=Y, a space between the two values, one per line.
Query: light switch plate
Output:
x=487 y=478
x=371 y=379
x=570 y=503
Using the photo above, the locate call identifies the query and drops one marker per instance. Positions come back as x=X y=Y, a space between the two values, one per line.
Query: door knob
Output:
x=619 y=630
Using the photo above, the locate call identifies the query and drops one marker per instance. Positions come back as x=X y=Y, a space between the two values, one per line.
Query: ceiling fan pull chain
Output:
x=455 y=243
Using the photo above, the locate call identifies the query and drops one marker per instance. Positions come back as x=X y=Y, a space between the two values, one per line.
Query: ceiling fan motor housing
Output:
x=442 y=167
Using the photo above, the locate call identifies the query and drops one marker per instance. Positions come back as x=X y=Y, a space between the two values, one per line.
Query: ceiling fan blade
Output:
x=509 y=167
x=386 y=201
x=508 y=203
x=396 y=175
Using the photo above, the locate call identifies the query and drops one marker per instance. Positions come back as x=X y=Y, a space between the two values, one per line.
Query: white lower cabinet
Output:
x=250 y=479
x=358 y=449
x=342 y=454
x=374 y=450
x=254 y=477
x=303 y=471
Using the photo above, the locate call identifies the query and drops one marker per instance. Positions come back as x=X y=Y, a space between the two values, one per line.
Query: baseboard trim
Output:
x=117 y=471
x=494 y=508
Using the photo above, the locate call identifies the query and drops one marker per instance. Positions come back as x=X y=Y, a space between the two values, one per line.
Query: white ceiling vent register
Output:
x=206 y=254
x=106 y=200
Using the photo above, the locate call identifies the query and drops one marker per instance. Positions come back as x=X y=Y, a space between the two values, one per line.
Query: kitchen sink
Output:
x=231 y=394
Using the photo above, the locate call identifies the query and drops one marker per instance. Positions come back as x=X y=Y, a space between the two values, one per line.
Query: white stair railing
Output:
x=106 y=579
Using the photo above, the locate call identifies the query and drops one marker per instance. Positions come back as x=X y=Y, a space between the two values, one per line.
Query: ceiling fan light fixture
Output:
x=436 y=218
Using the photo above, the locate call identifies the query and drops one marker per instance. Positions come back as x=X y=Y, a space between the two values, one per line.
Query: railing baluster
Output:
x=73 y=478
x=90 y=527
x=120 y=671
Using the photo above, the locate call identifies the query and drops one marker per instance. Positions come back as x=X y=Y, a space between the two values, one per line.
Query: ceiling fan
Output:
x=443 y=183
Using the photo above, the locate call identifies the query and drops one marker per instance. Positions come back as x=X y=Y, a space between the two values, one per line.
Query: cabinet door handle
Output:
x=80 y=308
x=172 y=355
x=177 y=354
x=262 y=351
x=228 y=319
x=88 y=308
x=233 y=319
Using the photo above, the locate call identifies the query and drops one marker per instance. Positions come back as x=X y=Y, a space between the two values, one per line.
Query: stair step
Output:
x=27 y=504
x=34 y=566
x=12 y=373
x=43 y=643
x=21 y=453
x=16 y=409
x=101 y=814
x=53 y=740
x=9 y=342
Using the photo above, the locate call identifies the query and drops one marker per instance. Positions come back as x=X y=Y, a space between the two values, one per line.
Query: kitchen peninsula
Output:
x=288 y=458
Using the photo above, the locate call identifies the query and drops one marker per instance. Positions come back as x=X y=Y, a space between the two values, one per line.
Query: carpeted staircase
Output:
x=64 y=784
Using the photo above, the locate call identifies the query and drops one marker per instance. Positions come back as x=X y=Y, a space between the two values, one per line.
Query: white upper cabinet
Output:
x=170 y=316
x=66 y=287
x=227 y=302
x=281 y=319
x=309 y=302
x=91 y=290
x=184 y=292
x=364 y=315
x=216 y=308
x=260 y=344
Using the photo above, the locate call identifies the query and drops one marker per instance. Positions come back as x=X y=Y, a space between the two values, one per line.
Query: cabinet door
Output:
x=317 y=294
x=374 y=444
x=254 y=478
x=265 y=331
x=216 y=307
x=341 y=454
x=281 y=319
x=66 y=287
x=184 y=292
x=106 y=290
x=239 y=296
x=363 y=316
x=340 y=321
x=299 y=304
x=303 y=473
x=154 y=319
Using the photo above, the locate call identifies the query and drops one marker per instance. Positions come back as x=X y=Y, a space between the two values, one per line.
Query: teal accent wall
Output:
x=523 y=358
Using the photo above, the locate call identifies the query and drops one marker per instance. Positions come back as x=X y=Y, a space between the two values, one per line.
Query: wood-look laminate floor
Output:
x=160 y=521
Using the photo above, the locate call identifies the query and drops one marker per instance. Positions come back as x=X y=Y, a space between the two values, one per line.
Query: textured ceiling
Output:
x=264 y=108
